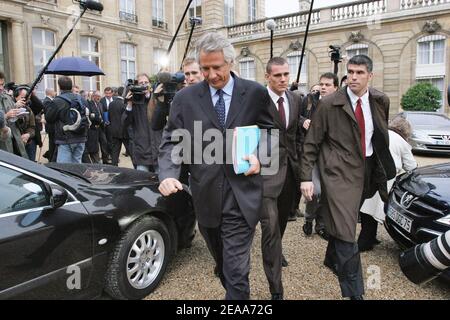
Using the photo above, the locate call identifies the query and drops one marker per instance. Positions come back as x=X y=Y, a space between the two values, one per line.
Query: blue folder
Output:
x=245 y=142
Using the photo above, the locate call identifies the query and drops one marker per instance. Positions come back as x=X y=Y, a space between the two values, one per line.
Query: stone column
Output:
x=17 y=55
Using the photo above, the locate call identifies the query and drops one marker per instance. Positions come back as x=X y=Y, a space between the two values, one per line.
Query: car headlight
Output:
x=445 y=220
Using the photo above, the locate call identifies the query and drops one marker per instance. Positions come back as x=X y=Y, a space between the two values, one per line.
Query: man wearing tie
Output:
x=227 y=205
x=280 y=189
x=105 y=132
x=348 y=138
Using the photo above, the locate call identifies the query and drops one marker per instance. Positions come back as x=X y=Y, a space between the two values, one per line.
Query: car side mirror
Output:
x=58 y=196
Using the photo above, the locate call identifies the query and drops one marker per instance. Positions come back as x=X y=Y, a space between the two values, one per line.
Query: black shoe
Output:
x=284 y=262
x=332 y=266
x=323 y=234
x=307 y=228
x=277 y=296
x=357 y=298
x=292 y=217
x=365 y=247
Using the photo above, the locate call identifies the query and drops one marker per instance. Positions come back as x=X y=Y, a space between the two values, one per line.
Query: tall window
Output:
x=229 y=12
x=90 y=51
x=158 y=14
x=195 y=9
x=431 y=50
x=128 y=10
x=293 y=59
x=356 y=49
x=43 y=47
x=158 y=59
x=431 y=62
x=251 y=10
x=127 y=61
x=247 y=68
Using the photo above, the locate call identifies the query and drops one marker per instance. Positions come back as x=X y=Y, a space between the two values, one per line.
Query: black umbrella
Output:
x=74 y=66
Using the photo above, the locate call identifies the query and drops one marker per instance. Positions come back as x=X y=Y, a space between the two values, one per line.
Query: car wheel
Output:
x=139 y=260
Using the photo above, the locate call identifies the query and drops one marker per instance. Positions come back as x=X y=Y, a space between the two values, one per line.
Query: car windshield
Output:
x=423 y=119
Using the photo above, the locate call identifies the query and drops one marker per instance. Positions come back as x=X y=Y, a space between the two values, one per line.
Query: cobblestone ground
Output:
x=190 y=274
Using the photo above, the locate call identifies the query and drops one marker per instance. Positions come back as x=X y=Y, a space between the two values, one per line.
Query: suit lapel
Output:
x=343 y=100
x=275 y=114
x=207 y=105
x=292 y=109
x=237 y=102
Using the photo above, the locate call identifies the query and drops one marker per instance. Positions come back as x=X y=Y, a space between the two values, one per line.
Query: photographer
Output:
x=137 y=116
x=11 y=110
x=169 y=85
x=27 y=123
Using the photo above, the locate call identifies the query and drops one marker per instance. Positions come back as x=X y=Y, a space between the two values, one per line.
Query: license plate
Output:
x=400 y=219
x=444 y=142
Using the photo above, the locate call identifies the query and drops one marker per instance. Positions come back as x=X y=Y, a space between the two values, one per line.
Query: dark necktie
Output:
x=281 y=111
x=220 y=108
x=362 y=126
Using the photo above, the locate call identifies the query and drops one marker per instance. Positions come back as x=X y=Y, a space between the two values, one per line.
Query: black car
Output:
x=75 y=231
x=419 y=206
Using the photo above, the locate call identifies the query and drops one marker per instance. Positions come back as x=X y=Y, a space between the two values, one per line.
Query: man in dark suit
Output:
x=116 y=110
x=105 y=129
x=227 y=205
x=91 y=152
x=50 y=154
x=280 y=189
x=348 y=139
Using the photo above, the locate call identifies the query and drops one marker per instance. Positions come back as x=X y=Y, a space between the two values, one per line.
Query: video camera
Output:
x=335 y=53
x=138 y=91
x=172 y=82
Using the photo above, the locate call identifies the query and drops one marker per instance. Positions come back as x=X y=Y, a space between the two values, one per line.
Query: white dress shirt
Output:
x=227 y=95
x=368 y=120
x=275 y=98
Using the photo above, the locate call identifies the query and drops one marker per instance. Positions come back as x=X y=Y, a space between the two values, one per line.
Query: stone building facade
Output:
x=409 y=41
x=128 y=37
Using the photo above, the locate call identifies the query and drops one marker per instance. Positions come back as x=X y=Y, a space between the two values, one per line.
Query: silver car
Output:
x=430 y=131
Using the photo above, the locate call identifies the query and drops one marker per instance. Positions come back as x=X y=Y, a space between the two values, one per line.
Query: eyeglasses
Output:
x=143 y=83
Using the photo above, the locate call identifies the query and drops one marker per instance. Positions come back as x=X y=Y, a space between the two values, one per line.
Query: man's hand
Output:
x=169 y=186
x=307 y=189
x=12 y=113
x=25 y=137
x=255 y=166
x=128 y=99
x=20 y=104
x=306 y=124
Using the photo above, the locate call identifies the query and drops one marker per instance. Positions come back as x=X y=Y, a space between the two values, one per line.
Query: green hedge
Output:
x=421 y=97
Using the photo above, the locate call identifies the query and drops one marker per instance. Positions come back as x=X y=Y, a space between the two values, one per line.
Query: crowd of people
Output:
x=334 y=149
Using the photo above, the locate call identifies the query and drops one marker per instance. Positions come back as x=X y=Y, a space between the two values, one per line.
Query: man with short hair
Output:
x=227 y=205
x=348 y=139
x=105 y=132
x=50 y=154
x=191 y=71
x=71 y=143
x=328 y=84
x=281 y=189
x=137 y=116
x=91 y=151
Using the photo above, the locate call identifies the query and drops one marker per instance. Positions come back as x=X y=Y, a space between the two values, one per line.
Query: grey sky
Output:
x=280 y=7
